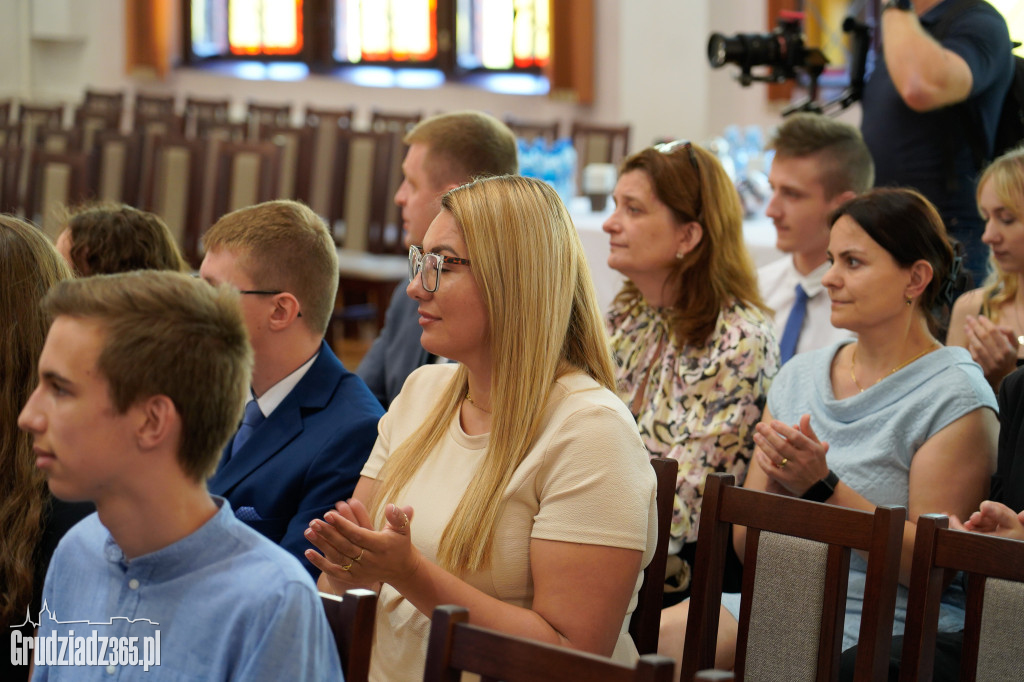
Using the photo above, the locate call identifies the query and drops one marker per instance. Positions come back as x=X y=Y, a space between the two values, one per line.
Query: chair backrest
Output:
x=645 y=623
x=351 y=617
x=596 y=143
x=10 y=179
x=326 y=125
x=994 y=568
x=207 y=110
x=248 y=173
x=116 y=167
x=361 y=178
x=261 y=115
x=56 y=179
x=795 y=575
x=105 y=100
x=296 y=143
x=173 y=188
x=32 y=116
x=456 y=646
x=393 y=122
x=531 y=130
x=153 y=106
x=6 y=111
x=10 y=135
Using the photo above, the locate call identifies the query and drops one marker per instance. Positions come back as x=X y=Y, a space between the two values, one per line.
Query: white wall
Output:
x=650 y=63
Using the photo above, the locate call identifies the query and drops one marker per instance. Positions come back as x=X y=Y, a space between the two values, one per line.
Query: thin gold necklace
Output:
x=471 y=402
x=853 y=366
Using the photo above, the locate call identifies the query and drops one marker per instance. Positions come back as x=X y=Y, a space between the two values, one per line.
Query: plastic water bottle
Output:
x=569 y=167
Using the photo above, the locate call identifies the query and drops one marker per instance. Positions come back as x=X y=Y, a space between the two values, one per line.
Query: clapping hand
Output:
x=354 y=554
x=791 y=456
x=992 y=346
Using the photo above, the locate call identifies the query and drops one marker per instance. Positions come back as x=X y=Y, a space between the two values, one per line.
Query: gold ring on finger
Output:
x=361 y=550
x=347 y=567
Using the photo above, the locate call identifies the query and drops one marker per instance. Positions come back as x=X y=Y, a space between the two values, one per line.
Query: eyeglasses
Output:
x=669 y=148
x=260 y=292
x=428 y=266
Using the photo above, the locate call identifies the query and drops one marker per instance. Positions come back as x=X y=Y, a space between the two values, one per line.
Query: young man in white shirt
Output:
x=819 y=164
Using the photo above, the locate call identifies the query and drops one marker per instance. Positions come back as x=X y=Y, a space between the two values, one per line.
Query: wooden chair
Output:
x=531 y=130
x=173 y=189
x=201 y=109
x=596 y=143
x=393 y=122
x=795 y=576
x=55 y=180
x=247 y=173
x=116 y=160
x=259 y=116
x=994 y=623
x=351 y=618
x=10 y=179
x=6 y=112
x=296 y=144
x=154 y=105
x=105 y=100
x=456 y=646
x=326 y=125
x=645 y=623
x=372 y=259
x=90 y=122
x=32 y=117
x=225 y=131
x=10 y=135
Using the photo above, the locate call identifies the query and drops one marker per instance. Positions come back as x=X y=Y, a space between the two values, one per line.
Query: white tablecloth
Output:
x=758 y=233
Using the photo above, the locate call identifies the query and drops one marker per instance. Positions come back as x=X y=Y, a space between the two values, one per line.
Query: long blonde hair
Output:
x=31 y=265
x=1007 y=176
x=543 y=321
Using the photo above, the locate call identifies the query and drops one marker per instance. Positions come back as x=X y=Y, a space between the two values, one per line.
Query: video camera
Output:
x=786 y=55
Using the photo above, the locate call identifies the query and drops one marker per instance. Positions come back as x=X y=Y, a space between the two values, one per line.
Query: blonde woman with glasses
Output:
x=693 y=343
x=533 y=495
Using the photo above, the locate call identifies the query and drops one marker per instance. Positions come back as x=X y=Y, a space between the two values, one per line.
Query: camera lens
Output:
x=717 y=50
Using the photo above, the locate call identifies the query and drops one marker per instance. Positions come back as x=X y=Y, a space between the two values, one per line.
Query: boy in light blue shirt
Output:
x=141 y=382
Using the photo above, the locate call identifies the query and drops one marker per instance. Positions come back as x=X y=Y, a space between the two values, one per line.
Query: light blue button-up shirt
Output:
x=223 y=603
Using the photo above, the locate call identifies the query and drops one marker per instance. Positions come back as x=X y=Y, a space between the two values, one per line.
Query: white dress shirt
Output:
x=778 y=281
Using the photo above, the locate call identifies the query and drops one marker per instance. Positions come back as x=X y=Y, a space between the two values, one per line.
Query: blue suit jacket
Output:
x=304 y=457
x=397 y=352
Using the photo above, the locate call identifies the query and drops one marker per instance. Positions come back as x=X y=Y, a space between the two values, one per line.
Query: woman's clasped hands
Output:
x=791 y=457
x=354 y=554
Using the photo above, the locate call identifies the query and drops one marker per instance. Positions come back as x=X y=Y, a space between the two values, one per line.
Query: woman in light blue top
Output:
x=893 y=418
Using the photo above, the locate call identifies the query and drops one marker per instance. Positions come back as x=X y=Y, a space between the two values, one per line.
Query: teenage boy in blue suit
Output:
x=309 y=424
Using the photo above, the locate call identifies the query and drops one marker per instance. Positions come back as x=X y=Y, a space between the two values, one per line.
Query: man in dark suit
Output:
x=309 y=424
x=445 y=151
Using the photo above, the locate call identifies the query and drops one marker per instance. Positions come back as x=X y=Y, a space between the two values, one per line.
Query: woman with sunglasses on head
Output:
x=533 y=495
x=893 y=418
x=692 y=341
x=989 y=321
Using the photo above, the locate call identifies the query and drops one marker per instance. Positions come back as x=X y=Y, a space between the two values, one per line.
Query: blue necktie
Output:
x=250 y=420
x=795 y=321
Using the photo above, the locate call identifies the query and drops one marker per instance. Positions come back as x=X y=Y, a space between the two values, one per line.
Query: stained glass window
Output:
x=474 y=35
x=385 y=31
x=502 y=34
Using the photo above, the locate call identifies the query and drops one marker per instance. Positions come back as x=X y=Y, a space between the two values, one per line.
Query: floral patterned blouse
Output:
x=699 y=405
